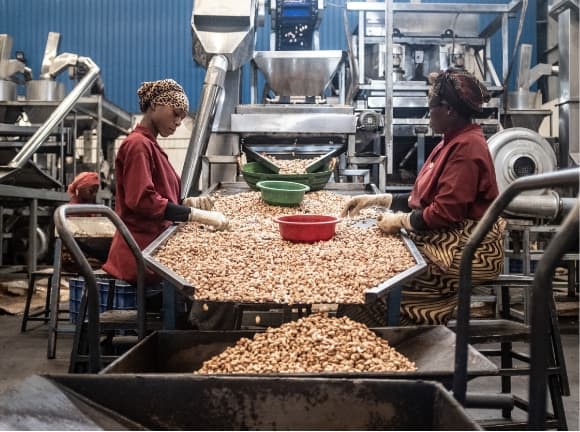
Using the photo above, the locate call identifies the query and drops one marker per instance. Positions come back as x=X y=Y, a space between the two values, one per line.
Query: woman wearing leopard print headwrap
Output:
x=452 y=192
x=148 y=190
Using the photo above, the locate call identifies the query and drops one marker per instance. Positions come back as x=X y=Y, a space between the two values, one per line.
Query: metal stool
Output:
x=49 y=312
x=546 y=347
x=88 y=333
x=505 y=331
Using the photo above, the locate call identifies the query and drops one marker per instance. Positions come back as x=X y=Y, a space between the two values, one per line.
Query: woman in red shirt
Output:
x=452 y=192
x=148 y=190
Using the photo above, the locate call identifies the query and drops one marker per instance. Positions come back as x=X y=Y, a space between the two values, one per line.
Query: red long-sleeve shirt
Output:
x=457 y=181
x=145 y=183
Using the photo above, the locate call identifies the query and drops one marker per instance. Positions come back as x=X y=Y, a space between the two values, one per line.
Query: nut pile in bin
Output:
x=316 y=343
x=251 y=263
x=290 y=166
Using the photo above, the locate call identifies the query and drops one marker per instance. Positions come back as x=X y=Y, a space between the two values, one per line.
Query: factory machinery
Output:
x=295 y=117
x=38 y=151
x=370 y=103
x=373 y=130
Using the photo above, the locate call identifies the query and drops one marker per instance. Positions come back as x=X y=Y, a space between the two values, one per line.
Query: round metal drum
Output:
x=44 y=90
x=519 y=152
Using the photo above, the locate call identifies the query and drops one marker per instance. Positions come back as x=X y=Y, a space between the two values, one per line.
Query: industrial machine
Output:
x=10 y=69
x=370 y=107
x=397 y=47
x=39 y=154
x=298 y=115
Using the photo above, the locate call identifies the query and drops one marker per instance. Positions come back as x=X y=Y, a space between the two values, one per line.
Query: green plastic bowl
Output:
x=253 y=172
x=282 y=193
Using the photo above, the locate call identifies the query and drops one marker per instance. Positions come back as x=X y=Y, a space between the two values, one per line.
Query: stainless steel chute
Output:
x=213 y=87
x=223 y=41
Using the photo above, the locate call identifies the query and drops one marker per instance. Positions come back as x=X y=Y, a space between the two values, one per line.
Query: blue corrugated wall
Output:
x=140 y=40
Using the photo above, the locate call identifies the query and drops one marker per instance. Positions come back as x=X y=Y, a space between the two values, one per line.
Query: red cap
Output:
x=82 y=181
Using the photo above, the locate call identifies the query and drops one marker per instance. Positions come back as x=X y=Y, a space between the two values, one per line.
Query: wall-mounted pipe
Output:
x=213 y=85
x=58 y=114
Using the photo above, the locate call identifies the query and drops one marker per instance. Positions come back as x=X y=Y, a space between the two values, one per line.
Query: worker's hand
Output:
x=391 y=223
x=359 y=202
x=201 y=202
x=212 y=218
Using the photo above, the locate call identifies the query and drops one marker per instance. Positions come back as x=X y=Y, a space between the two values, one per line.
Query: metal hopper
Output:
x=298 y=73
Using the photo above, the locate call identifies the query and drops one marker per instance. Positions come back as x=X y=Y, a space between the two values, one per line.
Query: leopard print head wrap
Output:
x=163 y=92
x=460 y=89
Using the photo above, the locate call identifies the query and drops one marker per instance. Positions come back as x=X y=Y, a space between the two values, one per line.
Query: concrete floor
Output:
x=22 y=355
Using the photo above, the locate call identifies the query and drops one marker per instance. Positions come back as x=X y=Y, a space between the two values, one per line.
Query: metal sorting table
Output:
x=432 y=349
x=124 y=402
x=371 y=295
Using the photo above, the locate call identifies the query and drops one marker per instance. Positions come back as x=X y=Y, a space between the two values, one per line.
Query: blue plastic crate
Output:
x=125 y=295
x=516 y=265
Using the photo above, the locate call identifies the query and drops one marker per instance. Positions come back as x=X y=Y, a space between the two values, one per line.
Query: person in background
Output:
x=84 y=188
x=148 y=190
x=452 y=192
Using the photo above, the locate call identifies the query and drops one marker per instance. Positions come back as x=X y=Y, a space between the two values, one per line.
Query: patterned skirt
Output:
x=432 y=297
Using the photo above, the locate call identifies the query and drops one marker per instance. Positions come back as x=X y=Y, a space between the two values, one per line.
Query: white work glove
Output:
x=359 y=202
x=391 y=223
x=201 y=202
x=212 y=218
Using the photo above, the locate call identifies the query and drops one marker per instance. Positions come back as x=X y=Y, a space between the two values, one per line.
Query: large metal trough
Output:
x=74 y=402
x=182 y=352
x=382 y=290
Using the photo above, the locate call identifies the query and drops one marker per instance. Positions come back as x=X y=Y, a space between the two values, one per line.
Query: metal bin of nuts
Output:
x=315 y=346
x=250 y=263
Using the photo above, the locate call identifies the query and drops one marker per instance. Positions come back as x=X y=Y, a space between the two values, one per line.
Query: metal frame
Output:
x=60 y=215
x=565 y=239
x=96 y=107
x=31 y=198
x=563 y=178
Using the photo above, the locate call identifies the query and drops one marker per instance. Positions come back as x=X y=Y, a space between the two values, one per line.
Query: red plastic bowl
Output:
x=307 y=228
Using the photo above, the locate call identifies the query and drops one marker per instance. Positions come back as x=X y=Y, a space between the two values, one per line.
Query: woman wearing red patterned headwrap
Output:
x=84 y=188
x=452 y=192
x=147 y=195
